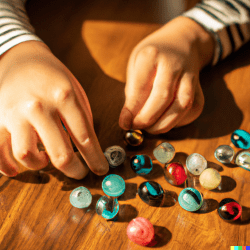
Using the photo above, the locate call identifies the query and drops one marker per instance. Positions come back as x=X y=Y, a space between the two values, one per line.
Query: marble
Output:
x=190 y=199
x=164 y=152
x=107 y=207
x=115 y=156
x=241 y=139
x=210 y=178
x=229 y=209
x=113 y=185
x=243 y=160
x=196 y=163
x=151 y=193
x=224 y=154
x=175 y=173
x=80 y=197
x=141 y=164
x=141 y=231
x=134 y=138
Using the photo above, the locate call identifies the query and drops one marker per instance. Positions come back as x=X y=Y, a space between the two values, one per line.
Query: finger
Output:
x=83 y=135
x=195 y=110
x=56 y=142
x=24 y=146
x=161 y=96
x=140 y=77
x=179 y=108
x=8 y=166
x=82 y=97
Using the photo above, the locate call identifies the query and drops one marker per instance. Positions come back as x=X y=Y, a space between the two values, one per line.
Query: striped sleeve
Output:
x=227 y=20
x=15 y=27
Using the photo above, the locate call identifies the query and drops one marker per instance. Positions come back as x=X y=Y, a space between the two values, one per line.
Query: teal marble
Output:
x=196 y=163
x=113 y=185
x=141 y=164
x=107 y=207
x=164 y=152
x=224 y=154
x=241 y=139
x=80 y=197
x=243 y=160
x=190 y=199
x=151 y=193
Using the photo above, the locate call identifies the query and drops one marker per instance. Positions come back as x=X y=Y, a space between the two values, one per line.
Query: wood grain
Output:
x=94 y=39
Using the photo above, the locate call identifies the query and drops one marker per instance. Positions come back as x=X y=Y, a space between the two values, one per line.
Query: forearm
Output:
x=15 y=27
x=227 y=21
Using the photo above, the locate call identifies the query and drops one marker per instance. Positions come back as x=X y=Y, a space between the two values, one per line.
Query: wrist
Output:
x=199 y=38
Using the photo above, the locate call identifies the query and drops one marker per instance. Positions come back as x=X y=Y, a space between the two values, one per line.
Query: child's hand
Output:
x=36 y=92
x=163 y=89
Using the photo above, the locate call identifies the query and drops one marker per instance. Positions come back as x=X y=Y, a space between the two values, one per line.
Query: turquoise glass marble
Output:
x=115 y=156
x=113 y=185
x=151 y=193
x=164 y=152
x=243 y=160
x=134 y=138
x=141 y=164
x=241 y=139
x=80 y=197
x=229 y=209
x=196 y=163
x=107 y=207
x=224 y=154
x=190 y=199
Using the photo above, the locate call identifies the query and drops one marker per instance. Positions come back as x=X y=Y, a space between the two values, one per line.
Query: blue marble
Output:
x=241 y=139
x=113 y=185
x=190 y=199
x=107 y=207
x=164 y=152
x=151 y=193
x=141 y=164
x=243 y=160
x=224 y=154
x=80 y=197
x=115 y=156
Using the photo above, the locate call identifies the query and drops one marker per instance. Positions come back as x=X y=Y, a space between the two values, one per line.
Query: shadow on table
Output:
x=209 y=205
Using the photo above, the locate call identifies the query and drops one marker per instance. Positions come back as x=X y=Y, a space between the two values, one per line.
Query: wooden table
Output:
x=94 y=39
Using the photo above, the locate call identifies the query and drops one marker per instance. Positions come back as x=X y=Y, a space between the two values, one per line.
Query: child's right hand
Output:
x=37 y=92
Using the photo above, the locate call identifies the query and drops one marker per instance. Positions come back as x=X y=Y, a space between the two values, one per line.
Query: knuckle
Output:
x=34 y=106
x=62 y=95
x=186 y=102
x=22 y=154
x=63 y=160
x=150 y=51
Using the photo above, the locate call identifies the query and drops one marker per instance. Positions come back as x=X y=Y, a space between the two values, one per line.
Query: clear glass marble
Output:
x=241 y=139
x=210 y=178
x=107 y=207
x=151 y=193
x=196 y=163
x=115 y=155
x=80 y=197
x=164 y=152
x=141 y=164
x=224 y=154
x=229 y=209
x=113 y=185
x=243 y=160
x=134 y=138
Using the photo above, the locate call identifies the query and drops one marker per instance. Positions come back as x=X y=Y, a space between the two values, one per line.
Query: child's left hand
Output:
x=163 y=89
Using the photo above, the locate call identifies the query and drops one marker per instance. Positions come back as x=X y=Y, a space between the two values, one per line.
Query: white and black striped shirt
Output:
x=227 y=20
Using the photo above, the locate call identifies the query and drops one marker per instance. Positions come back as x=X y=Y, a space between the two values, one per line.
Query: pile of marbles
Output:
x=140 y=230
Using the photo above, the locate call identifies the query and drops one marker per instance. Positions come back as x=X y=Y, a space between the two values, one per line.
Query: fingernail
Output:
x=126 y=119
